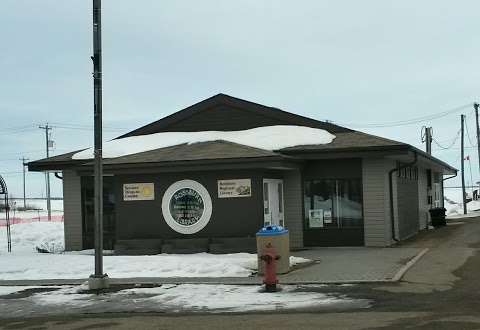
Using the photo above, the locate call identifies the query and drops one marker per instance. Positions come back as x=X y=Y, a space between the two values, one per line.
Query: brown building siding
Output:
x=231 y=217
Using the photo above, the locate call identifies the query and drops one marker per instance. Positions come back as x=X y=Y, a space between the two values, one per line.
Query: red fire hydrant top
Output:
x=270 y=258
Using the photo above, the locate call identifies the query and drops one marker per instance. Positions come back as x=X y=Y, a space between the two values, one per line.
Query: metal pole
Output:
x=98 y=175
x=24 y=185
x=463 y=167
x=4 y=191
x=475 y=105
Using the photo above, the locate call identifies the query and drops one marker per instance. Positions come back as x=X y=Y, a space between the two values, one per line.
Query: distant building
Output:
x=216 y=194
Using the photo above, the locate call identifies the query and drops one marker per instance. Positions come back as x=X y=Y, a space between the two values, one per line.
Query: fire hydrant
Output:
x=270 y=258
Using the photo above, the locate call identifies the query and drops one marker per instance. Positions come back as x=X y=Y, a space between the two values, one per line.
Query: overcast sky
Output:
x=352 y=62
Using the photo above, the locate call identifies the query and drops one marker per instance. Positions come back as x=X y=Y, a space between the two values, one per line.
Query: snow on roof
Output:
x=267 y=138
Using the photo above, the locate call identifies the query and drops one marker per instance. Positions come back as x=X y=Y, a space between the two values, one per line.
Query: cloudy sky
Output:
x=357 y=63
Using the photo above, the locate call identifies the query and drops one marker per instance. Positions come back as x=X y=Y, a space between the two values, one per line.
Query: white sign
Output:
x=327 y=216
x=315 y=218
x=138 y=192
x=234 y=188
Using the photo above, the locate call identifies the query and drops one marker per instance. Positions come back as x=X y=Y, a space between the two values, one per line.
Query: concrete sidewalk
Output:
x=331 y=265
x=354 y=265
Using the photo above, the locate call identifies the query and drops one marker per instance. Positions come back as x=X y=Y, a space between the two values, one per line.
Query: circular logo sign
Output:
x=187 y=206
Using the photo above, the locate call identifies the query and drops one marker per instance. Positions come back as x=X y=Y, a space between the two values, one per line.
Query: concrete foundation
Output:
x=98 y=282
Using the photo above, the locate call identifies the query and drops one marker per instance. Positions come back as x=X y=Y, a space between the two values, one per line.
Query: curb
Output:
x=398 y=276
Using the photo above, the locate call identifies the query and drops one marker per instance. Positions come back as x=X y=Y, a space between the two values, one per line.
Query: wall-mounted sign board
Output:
x=327 y=216
x=234 y=188
x=315 y=218
x=138 y=192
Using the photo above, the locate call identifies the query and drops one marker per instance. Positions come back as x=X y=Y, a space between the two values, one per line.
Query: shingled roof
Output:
x=226 y=113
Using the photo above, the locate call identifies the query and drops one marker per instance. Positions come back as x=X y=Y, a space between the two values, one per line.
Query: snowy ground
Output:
x=453 y=204
x=24 y=263
x=174 y=298
x=39 y=213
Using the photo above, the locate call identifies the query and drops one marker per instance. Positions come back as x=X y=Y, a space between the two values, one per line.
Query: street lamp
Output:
x=99 y=280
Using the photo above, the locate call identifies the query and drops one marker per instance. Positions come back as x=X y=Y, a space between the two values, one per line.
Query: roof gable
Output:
x=226 y=113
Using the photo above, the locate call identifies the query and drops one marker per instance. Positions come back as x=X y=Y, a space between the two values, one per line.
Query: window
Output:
x=266 y=206
x=333 y=203
x=280 y=197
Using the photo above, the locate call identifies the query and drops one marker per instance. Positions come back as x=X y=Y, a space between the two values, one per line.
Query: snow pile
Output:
x=298 y=260
x=6 y=290
x=24 y=263
x=233 y=298
x=267 y=138
x=70 y=296
x=189 y=298
x=26 y=237
x=74 y=266
x=455 y=209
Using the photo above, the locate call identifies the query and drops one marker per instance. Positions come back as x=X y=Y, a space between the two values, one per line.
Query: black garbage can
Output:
x=437 y=215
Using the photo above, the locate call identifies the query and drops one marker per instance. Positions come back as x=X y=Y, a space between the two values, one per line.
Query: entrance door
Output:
x=273 y=202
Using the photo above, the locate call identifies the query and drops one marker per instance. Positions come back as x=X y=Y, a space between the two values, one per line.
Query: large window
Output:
x=333 y=203
x=89 y=216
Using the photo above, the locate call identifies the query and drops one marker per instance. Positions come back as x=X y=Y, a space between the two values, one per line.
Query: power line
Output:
x=451 y=149
x=11 y=132
x=412 y=121
x=451 y=144
x=31 y=128
x=15 y=128
x=468 y=136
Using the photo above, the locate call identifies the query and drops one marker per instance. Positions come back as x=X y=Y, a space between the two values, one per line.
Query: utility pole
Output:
x=462 y=117
x=99 y=280
x=427 y=135
x=476 y=105
x=24 y=163
x=48 y=144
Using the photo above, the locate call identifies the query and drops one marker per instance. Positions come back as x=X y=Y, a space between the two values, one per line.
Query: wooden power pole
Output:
x=47 y=173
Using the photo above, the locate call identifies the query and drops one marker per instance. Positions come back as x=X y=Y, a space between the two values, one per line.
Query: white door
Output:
x=273 y=202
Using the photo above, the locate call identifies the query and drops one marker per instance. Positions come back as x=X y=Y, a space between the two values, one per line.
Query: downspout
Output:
x=390 y=181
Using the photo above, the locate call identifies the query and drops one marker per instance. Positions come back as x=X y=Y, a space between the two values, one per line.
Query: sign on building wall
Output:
x=315 y=218
x=187 y=206
x=138 y=191
x=234 y=188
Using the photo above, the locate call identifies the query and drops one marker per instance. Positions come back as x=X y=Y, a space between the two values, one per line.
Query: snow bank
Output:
x=234 y=298
x=6 y=290
x=30 y=266
x=268 y=138
x=24 y=263
x=455 y=209
x=193 y=298
x=27 y=236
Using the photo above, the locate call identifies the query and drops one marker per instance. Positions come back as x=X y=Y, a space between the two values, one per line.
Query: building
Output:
x=166 y=193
